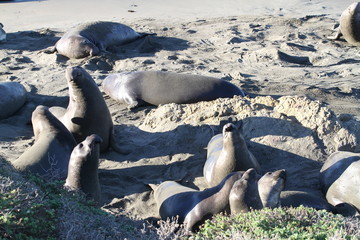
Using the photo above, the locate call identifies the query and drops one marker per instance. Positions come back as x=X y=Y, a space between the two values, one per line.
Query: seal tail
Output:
x=49 y=50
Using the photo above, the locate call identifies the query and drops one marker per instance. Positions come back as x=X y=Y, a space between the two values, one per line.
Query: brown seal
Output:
x=157 y=87
x=83 y=168
x=270 y=186
x=90 y=39
x=226 y=153
x=191 y=206
x=244 y=195
x=350 y=24
x=339 y=178
x=87 y=112
x=49 y=155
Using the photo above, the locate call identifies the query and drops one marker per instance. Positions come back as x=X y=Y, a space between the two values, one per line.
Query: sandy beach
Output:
x=303 y=89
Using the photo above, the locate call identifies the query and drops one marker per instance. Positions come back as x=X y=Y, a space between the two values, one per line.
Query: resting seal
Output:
x=190 y=205
x=270 y=186
x=244 y=194
x=90 y=39
x=350 y=24
x=87 y=112
x=340 y=178
x=305 y=197
x=226 y=153
x=12 y=98
x=156 y=87
x=83 y=168
x=50 y=154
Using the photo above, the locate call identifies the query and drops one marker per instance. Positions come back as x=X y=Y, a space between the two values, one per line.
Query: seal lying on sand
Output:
x=156 y=87
x=226 y=153
x=340 y=178
x=350 y=25
x=270 y=186
x=12 y=98
x=90 y=39
x=190 y=205
x=87 y=112
x=50 y=154
x=83 y=168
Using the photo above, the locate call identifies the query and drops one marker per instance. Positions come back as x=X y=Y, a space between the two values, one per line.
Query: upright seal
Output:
x=193 y=207
x=90 y=39
x=87 y=112
x=270 y=186
x=50 y=154
x=83 y=168
x=226 y=153
x=156 y=87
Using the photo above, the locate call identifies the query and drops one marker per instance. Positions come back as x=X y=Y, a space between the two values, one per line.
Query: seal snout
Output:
x=229 y=127
x=73 y=72
x=93 y=139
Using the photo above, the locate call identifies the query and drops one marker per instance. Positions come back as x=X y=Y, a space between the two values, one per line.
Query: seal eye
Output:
x=81 y=145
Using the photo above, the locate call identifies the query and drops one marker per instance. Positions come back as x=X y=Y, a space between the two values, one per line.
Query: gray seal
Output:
x=350 y=25
x=339 y=178
x=305 y=197
x=90 y=39
x=87 y=112
x=157 y=87
x=83 y=168
x=226 y=153
x=12 y=98
x=50 y=154
x=270 y=186
x=244 y=195
x=191 y=206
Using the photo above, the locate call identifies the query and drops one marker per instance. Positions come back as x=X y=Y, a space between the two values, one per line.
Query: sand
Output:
x=303 y=89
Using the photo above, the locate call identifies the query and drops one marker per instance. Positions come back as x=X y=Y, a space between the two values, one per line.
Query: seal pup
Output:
x=226 y=153
x=350 y=25
x=270 y=186
x=90 y=39
x=83 y=168
x=244 y=194
x=340 y=178
x=157 y=87
x=87 y=112
x=192 y=206
x=50 y=154
x=12 y=98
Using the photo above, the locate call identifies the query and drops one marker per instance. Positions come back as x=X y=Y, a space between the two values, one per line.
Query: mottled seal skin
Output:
x=12 y=98
x=350 y=24
x=340 y=178
x=191 y=206
x=87 y=112
x=50 y=154
x=270 y=186
x=83 y=168
x=156 y=87
x=90 y=39
x=226 y=153
x=244 y=194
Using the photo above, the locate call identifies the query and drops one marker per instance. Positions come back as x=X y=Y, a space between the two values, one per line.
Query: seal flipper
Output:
x=50 y=50
x=337 y=35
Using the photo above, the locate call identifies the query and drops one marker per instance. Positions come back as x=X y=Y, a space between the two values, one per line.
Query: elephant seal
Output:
x=244 y=194
x=350 y=25
x=191 y=206
x=270 y=186
x=305 y=197
x=2 y=33
x=87 y=112
x=226 y=153
x=83 y=168
x=12 y=98
x=340 y=178
x=90 y=39
x=50 y=154
x=157 y=87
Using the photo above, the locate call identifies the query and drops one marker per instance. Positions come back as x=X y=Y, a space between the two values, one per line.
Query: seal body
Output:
x=156 y=87
x=350 y=24
x=270 y=186
x=83 y=168
x=91 y=38
x=244 y=194
x=340 y=178
x=305 y=197
x=87 y=112
x=226 y=153
x=12 y=98
x=50 y=154
x=191 y=206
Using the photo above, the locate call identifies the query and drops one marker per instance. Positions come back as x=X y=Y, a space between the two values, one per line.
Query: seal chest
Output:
x=270 y=186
